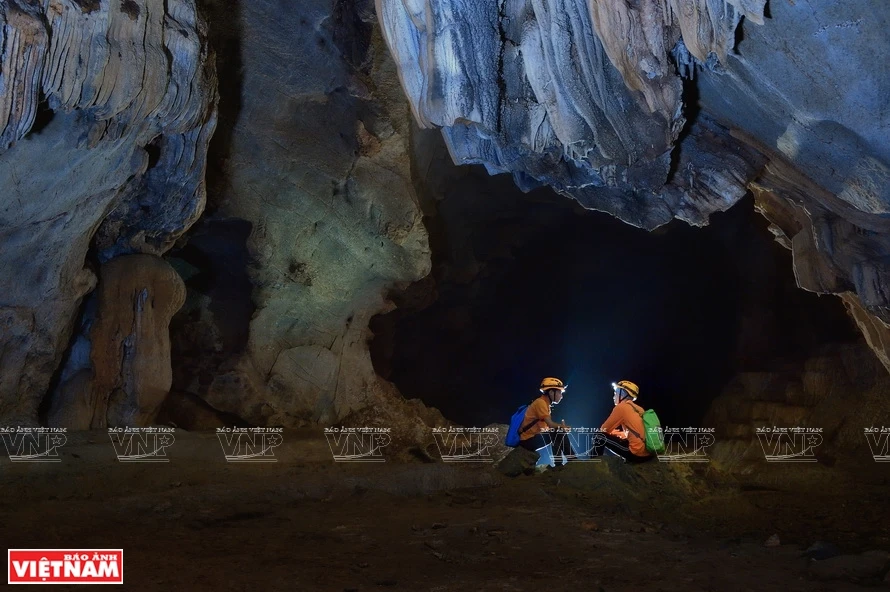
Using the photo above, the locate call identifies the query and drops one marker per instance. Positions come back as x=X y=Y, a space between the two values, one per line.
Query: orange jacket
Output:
x=540 y=410
x=627 y=415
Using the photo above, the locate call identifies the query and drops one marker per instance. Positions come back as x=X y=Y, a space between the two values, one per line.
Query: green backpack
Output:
x=654 y=437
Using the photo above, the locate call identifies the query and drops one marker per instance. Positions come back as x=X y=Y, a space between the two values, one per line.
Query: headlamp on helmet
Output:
x=629 y=388
x=552 y=383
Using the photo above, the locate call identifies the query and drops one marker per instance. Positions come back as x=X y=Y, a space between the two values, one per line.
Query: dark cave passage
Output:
x=587 y=298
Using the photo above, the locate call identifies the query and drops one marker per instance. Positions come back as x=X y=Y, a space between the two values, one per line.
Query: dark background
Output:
x=530 y=285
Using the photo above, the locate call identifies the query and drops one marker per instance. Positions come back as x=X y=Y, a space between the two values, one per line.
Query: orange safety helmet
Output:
x=552 y=383
x=629 y=387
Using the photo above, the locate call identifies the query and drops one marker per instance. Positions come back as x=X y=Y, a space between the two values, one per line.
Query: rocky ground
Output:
x=308 y=523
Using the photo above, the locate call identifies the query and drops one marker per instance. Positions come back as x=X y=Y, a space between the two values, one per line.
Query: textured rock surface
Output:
x=124 y=98
x=518 y=461
x=837 y=249
x=316 y=172
x=588 y=98
x=824 y=128
x=130 y=354
x=877 y=334
x=839 y=389
x=574 y=95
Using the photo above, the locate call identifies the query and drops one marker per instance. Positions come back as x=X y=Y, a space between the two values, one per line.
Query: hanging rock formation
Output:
x=583 y=97
x=123 y=98
x=588 y=97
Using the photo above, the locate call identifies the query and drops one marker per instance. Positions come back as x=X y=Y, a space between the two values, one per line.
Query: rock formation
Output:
x=106 y=111
x=130 y=374
x=312 y=187
x=839 y=390
x=577 y=96
x=589 y=99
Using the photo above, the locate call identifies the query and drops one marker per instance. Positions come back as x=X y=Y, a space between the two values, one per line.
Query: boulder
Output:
x=519 y=461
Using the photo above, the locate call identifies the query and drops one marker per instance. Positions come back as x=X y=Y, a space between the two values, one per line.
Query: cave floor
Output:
x=305 y=524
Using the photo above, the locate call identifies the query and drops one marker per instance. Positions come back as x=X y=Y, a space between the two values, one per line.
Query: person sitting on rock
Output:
x=623 y=431
x=545 y=431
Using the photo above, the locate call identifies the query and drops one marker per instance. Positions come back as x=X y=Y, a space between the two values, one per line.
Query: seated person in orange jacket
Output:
x=624 y=434
x=535 y=431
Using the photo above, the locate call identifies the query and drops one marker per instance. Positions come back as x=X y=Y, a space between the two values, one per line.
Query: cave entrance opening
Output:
x=528 y=285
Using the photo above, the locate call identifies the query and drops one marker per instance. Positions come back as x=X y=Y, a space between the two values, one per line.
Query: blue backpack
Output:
x=516 y=427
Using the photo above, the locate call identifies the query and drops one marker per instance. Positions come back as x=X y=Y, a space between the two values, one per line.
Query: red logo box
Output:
x=66 y=566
